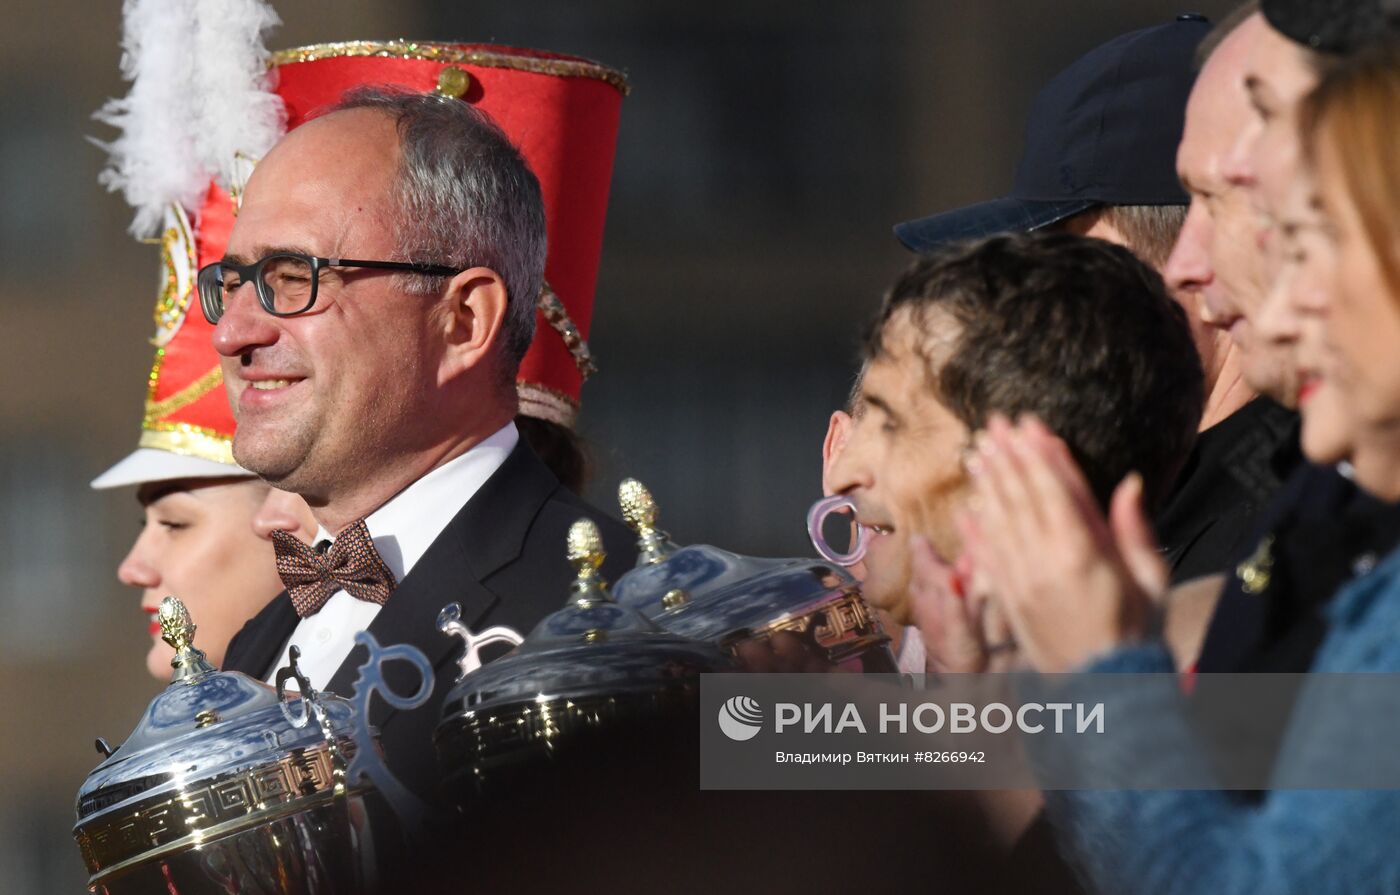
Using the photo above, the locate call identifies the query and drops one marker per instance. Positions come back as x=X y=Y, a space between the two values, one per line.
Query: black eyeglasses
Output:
x=286 y=282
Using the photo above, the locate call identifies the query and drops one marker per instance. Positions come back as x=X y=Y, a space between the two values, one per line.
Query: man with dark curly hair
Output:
x=1075 y=330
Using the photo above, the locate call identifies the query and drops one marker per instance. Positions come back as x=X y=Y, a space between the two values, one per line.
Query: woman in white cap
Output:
x=206 y=539
x=206 y=530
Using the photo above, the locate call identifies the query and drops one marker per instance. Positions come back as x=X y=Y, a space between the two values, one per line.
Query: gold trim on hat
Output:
x=557 y=315
x=153 y=377
x=176 y=250
x=430 y=51
x=190 y=441
x=544 y=403
x=158 y=410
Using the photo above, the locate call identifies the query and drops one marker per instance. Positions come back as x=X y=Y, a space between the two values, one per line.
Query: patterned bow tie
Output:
x=352 y=564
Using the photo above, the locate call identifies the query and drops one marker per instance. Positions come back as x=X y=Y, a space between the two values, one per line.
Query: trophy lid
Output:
x=213 y=754
x=725 y=598
x=705 y=593
x=687 y=575
x=777 y=592
x=591 y=647
x=714 y=591
x=666 y=575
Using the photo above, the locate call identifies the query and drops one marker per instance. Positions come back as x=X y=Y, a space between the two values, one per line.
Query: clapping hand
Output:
x=1072 y=584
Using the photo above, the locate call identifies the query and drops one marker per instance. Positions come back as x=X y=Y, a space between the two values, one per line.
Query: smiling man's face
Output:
x=902 y=459
x=350 y=383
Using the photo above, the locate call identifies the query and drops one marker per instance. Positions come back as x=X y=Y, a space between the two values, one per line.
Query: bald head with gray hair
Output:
x=464 y=197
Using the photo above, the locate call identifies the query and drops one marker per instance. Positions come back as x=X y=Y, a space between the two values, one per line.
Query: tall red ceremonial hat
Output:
x=187 y=425
x=561 y=111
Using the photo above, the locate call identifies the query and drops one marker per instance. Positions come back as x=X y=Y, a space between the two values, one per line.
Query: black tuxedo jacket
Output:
x=502 y=557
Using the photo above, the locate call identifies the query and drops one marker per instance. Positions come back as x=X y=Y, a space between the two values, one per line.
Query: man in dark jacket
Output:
x=383 y=393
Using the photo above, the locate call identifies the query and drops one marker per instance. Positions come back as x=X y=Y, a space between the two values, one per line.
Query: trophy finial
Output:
x=586 y=553
x=585 y=545
x=176 y=626
x=177 y=629
x=639 y=512
x=638 y=506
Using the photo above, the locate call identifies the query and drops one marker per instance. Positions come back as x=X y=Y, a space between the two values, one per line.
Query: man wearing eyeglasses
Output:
x=375 y=300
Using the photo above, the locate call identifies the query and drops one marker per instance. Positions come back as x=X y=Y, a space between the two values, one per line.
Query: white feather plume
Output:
x=152 y=160
x=200 y=95
x=235 y=110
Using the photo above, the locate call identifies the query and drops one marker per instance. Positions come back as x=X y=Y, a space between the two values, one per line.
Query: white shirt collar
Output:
x=404 y=527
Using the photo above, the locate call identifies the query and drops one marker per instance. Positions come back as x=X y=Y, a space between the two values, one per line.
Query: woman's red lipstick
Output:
x=1308 y=388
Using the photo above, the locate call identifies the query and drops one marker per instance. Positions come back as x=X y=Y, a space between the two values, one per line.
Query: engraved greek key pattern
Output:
x=842 y=618
x=797 y=625
x=199 y=806
x=230 y=798
x=108 y=840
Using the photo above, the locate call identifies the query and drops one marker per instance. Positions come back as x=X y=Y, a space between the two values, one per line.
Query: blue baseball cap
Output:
x=1103 y=132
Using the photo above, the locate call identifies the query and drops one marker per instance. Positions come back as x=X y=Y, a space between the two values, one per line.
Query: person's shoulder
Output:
x=536 y=578
x=564 y=508
x=526 y=479
x=1310 y=492
x=569 y=501
x=1364 y=622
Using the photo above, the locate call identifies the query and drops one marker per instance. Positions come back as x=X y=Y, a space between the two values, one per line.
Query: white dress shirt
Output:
x=402 y=530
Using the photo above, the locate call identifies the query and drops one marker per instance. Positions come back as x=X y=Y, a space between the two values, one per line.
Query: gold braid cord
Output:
x=558 y=317
x=540 y=401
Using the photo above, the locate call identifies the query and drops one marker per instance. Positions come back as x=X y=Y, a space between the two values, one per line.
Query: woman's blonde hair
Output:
x=1355 y=111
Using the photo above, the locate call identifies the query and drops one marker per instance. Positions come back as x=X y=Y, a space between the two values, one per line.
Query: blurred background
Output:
x=766 y=150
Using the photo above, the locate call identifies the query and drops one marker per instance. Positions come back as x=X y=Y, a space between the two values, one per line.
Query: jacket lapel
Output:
x=260 y=642
x=489 y=532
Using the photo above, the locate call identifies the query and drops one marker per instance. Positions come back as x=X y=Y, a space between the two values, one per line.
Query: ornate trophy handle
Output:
x=367 y=765
x=449 y=622
x=816 y=519
x=371 y=678
x=307 y=692
x=311 y=708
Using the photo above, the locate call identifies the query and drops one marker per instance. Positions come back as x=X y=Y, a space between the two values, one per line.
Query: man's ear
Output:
x=475 y=312
x=836 y=431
